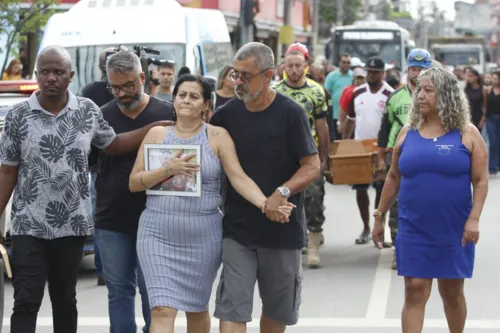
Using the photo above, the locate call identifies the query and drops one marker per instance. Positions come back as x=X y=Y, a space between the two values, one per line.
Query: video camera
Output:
x=147 y=62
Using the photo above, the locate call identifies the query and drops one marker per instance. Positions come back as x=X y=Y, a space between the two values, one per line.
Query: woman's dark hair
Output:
x=183 y=71
x=205 y=87
x=477 y=75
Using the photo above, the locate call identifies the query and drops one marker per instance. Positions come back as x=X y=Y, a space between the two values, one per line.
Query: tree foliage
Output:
x=328 y=14
x=18 y=18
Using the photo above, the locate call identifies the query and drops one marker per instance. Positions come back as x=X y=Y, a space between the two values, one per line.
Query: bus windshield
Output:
x=457 y=57
x=389 y=51
x=86 y=61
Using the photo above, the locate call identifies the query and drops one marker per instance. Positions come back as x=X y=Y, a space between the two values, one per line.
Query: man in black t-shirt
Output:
x=117 y=209
x=276 y=149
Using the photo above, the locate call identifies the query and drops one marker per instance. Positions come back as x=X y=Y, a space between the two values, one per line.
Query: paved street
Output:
x=355 y=290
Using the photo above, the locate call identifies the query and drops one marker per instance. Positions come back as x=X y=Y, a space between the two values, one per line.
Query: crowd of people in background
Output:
x=262 y=195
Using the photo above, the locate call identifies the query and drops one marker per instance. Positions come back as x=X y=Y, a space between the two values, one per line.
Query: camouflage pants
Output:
x=314 y=197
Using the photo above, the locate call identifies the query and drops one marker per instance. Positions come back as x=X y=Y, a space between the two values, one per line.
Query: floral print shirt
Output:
x=51 y=196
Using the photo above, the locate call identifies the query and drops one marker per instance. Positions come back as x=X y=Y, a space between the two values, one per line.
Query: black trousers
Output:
x=35 y=261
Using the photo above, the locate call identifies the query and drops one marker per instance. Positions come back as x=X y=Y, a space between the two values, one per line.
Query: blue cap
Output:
x=419 y=58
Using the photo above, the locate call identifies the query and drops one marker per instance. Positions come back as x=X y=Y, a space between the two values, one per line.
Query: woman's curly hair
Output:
x=452 y=105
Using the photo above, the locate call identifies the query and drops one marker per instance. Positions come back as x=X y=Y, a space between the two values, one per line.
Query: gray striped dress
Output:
x=179 y=241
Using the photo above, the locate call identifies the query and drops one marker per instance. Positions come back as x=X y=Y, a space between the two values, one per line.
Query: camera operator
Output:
x=98 y=93
x=166 y=76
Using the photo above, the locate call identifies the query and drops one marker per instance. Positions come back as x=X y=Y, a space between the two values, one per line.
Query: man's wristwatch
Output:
x=284 y=191
x=378 y=213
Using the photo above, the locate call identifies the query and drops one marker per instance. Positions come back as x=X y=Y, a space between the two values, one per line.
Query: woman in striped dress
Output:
x=179 y=241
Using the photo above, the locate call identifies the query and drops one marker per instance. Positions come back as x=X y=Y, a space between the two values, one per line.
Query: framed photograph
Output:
x=158 y=155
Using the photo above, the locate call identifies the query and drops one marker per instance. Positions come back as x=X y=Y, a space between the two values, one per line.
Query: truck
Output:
x=463 y=51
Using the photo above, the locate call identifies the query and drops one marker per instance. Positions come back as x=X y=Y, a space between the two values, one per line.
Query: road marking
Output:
x=381 y=286
x=303 y=322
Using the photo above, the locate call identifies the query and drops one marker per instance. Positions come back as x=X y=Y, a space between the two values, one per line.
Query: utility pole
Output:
x=315 y=27
x=243 y=26
x=287 y=20
x=246 y=21
x=340 y=13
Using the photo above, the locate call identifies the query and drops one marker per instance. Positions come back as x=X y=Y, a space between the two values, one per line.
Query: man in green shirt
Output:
x=335 y=83
x=397 y=109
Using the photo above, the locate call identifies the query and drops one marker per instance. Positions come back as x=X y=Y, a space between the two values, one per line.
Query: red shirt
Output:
x=346 y=98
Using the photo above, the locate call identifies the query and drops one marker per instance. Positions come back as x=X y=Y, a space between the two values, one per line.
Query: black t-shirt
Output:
x=98 y=93
x=329 y=116
x=270 y=145
x=118 y=209
x=475 y=97
x=220 y=101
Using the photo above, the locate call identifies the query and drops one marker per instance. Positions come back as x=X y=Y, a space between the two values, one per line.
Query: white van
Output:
x=196 y=38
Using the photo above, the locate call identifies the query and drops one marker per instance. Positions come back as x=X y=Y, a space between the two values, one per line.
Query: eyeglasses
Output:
x=245 y=77
x=126 y=88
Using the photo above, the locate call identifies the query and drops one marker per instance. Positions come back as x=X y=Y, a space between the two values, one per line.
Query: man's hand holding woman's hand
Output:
x=277 y=208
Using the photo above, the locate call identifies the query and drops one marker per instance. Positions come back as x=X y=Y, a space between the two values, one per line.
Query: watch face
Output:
x=284 y=191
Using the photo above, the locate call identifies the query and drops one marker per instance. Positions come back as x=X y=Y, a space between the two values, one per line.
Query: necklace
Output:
x=191 y=132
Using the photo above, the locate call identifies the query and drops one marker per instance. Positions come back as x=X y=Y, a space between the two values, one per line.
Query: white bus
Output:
x=365 y=39
x=196 y=38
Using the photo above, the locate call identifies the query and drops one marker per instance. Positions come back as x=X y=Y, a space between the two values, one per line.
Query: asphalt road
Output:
x=354 y=291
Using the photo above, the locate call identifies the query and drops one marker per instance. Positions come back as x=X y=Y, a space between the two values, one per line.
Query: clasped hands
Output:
x=277 y=208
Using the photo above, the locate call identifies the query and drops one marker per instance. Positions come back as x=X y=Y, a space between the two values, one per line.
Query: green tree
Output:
x=18 y=18
x=328 y=14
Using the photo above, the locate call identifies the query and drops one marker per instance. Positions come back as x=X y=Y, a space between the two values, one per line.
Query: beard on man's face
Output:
x=128 y=102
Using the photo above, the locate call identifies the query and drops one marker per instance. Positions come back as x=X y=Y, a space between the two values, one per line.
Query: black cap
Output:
x=375 y=64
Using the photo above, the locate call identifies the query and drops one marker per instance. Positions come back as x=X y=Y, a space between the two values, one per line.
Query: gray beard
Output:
x=132 y=106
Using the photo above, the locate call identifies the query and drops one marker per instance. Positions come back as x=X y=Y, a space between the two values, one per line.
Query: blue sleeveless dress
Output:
x=435 y=200
x=179 y=242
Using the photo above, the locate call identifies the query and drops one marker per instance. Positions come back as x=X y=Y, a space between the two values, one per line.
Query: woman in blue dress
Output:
x=437 y=157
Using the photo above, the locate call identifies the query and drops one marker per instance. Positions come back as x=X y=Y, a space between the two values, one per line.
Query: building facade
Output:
x=268 y=19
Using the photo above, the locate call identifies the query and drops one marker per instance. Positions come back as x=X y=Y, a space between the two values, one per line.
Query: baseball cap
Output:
x=356 y=62
x=375 y=64
x=357 y=72
x=301 y=48
x=419 y=58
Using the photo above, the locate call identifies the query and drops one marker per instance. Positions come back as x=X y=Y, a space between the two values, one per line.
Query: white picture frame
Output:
x=157 y=155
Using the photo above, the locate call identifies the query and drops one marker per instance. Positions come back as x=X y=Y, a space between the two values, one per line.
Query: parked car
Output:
x=13 y=92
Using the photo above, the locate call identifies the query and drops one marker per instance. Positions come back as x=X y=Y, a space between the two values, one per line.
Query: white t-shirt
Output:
x=368 y=109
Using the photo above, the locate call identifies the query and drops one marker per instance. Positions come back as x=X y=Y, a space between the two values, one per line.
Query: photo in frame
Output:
x=158 y=155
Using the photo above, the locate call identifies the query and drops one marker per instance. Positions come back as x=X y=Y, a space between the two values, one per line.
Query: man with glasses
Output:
x=335 y=83
x=311 y=97
x=117 y=209
x=397 y=109
x=276 y=149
